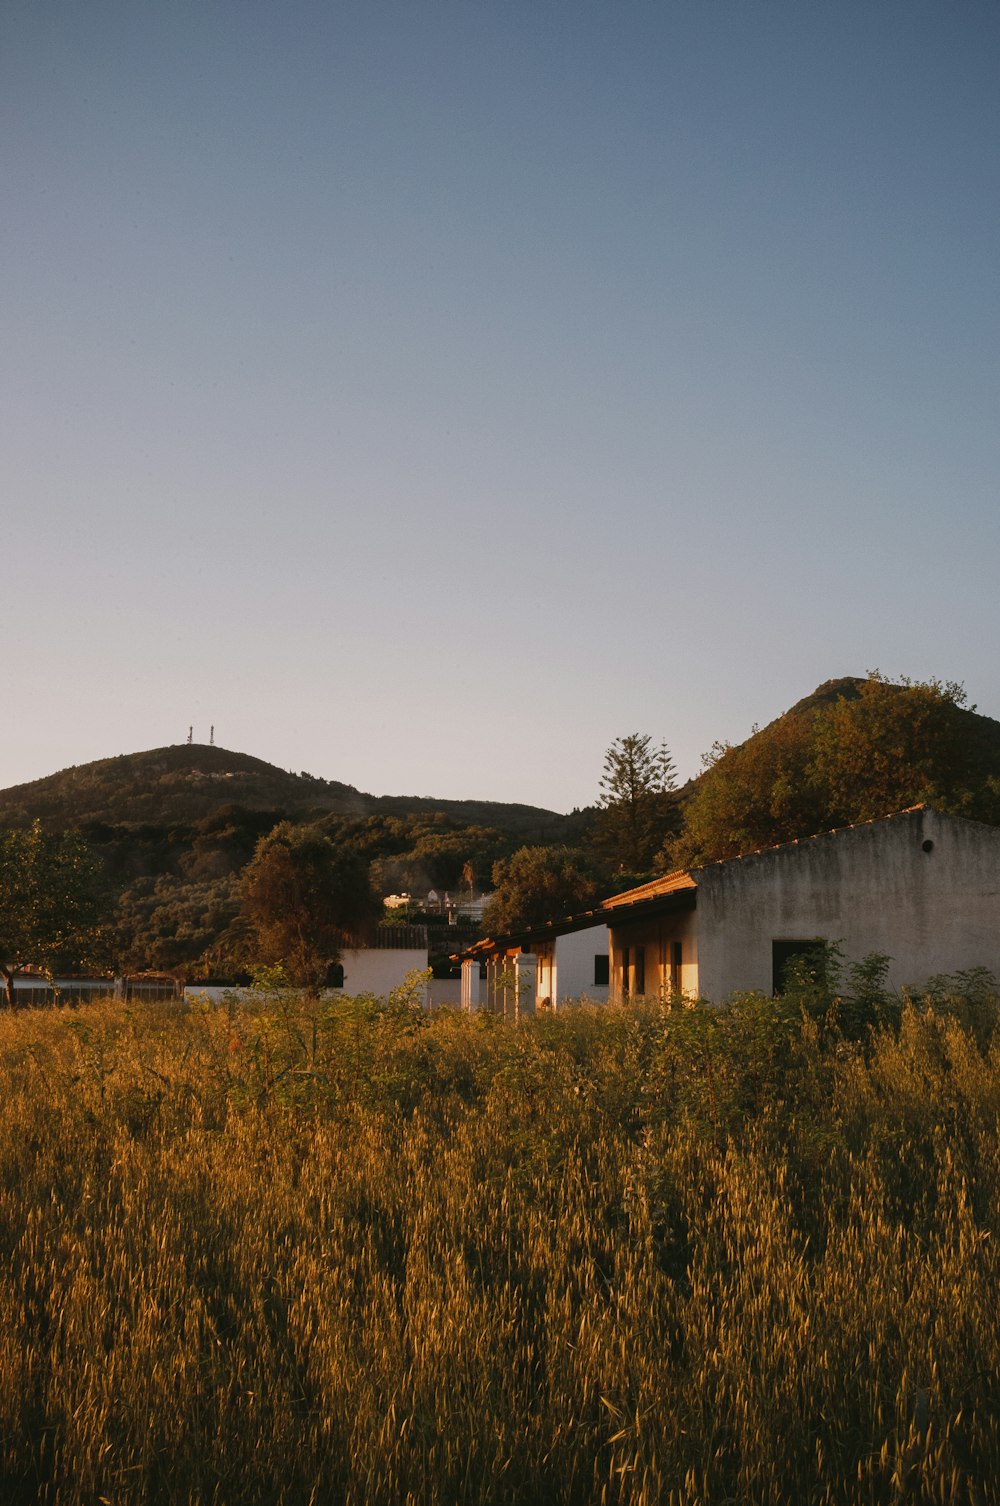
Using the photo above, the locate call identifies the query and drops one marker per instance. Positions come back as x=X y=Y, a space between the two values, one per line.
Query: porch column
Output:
x=525 y=974
x=471 y=984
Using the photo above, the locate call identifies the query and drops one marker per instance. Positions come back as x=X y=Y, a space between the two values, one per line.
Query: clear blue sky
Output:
x=427 y=394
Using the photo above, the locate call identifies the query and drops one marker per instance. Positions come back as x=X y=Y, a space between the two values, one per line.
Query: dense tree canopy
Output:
x=52 y=901
x=304 y=899
x=751 y=796
x=882 y=748
x=896 y=745
x=538 y=884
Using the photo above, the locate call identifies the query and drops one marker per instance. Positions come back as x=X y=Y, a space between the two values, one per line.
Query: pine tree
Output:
x=638 y=802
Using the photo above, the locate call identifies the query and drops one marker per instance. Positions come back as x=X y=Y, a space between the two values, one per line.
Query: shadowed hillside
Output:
x=188 y=782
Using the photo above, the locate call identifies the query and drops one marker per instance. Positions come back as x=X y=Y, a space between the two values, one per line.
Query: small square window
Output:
x=783 y=953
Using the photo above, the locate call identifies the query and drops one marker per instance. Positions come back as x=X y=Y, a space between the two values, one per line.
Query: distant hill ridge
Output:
x=187 y=782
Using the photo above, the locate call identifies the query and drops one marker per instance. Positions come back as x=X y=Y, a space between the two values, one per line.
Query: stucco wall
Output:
x=444 y=991
x=872 y=888
x=368 y=971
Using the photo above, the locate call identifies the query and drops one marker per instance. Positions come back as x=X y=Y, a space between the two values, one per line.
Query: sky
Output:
x=427 y=394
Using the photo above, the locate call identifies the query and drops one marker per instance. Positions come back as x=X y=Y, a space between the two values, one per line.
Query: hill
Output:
x=174 y=828
x=188 y=782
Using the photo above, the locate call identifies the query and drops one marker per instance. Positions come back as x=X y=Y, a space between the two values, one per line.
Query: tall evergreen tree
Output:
x=638 y=802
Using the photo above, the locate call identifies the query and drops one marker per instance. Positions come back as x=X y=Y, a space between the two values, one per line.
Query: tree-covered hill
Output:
x=188 y=782
x=175 y=827
x=851 y=751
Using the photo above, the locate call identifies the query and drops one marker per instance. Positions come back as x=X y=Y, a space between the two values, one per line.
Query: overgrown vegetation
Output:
x=303 y=1251
x=52 y=900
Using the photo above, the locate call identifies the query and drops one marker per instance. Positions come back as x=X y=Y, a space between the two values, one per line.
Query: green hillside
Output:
x=174 y=827
x=189 y=781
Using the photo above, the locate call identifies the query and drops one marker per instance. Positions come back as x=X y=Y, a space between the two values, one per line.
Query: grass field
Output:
x=355 y=1253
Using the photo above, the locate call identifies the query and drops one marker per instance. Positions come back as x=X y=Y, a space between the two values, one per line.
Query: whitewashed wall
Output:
x=369 y=970
x=921 y=887
x=372 y=970
x=575 y=955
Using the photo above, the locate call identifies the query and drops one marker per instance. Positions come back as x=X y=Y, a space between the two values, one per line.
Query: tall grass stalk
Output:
x=301 y=1253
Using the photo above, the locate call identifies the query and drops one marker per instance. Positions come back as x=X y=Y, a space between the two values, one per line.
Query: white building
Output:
x=920 y=887
x=395 y=952
x=383 y=966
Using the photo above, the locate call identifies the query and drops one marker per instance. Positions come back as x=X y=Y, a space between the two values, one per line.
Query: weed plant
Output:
x=300 y=1252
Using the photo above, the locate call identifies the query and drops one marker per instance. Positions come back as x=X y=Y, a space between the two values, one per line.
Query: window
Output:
x=640 y=970
x=602 y=970
x=676 y=961
x=785 y=952
x=626 y=970
x=335 y=975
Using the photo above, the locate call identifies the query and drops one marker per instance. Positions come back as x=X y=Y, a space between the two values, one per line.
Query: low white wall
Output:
x=372 y=970
x=445 y=991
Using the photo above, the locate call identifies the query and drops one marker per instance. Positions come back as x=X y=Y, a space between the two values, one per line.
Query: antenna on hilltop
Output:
x=190 y=736
x=211 y=736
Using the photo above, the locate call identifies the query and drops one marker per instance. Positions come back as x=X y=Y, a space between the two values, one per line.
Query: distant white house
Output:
x=433 y=903
x=395 y=952
x=383 y=966
x=473 y=907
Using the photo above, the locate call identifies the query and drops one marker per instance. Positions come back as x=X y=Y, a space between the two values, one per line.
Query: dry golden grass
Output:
x=306 y=1253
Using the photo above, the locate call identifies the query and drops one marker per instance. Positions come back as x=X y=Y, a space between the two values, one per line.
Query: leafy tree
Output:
x=535 y=885
x=304 y=899
x=894 y=746
x=52 y=899
x=752 y=795
x=876 y=750
x=638 y=802
x=173 y=923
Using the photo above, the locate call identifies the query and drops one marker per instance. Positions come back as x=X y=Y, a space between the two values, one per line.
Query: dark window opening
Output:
x=640 y=970
x=626 y=970
x=676 y=958
x=784 y=953
x=602 y=969
x=335 y=975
